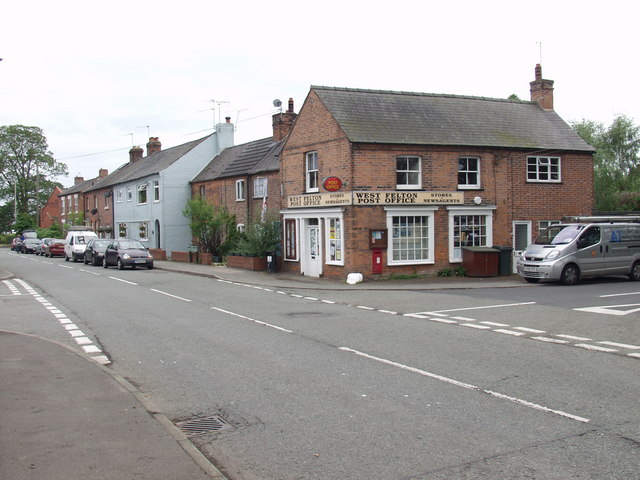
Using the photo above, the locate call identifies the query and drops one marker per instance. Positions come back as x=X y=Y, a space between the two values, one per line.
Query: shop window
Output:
x=412 y=238
x=334 y=241
x=290 y=239
x=469 y=228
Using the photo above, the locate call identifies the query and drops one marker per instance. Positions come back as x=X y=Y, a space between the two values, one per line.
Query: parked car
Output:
x=29 y=245
x=55 y=248
x=94 y=251
x=124 y=252
x=40 y=247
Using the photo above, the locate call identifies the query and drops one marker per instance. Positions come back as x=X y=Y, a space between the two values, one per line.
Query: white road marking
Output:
x=467 y=386
x=620 y=345
x=170 y=295
x=485 y=307
x=595 y=347
x=364 y=308
x=611 y=309
x=572 y=337
x=619 y=294
x=529 y=330
x=495 y=324
x=475 y=325
x=88 y=271
x=123 y=281
x=636 y=355
x=509 y=332
x=441 y=320
x=251 y=319
x=551 y=340
x=390 y=312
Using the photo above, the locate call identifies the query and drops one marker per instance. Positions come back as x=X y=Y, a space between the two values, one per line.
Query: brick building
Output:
x=245 y=178
x=79 y=207
x=382 y=182
x=50 y=213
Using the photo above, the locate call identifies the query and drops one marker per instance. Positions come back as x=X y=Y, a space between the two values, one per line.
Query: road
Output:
x=529 y=382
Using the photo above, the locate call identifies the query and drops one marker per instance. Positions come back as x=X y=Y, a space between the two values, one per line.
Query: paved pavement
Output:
x=64 y=416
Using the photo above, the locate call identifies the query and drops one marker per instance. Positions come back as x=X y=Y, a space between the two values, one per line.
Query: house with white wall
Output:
x=150 y=193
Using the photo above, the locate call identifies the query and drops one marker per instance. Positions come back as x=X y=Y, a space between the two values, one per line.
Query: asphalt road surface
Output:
x=530 y=382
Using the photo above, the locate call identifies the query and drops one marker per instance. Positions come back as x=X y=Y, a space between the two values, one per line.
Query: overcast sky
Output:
x=90 y=74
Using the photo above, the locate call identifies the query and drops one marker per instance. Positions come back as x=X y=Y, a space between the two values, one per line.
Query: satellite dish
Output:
x=277 y=103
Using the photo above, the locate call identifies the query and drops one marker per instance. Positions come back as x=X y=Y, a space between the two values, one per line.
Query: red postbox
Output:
x=376 y=260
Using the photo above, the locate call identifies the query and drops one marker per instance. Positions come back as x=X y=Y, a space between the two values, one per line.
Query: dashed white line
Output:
x=572 y=337
x=586 y=346
x=509 y=332
x=529 y=330
x=363 y=307
x=123 y=281
x=477 y=326
x=252 y=320
x=551 y=340
x=170 y=295
x=495 y=324
x=467 y=386
x=485 y=307
x=620 y=345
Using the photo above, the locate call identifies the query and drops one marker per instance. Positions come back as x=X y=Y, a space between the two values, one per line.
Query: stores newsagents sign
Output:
x=375 y=198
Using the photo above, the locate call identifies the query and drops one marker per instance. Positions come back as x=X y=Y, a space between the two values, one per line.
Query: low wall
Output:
x=248 y=263
x=158 y=253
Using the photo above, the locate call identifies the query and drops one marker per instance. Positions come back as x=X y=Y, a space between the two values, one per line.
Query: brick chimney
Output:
x=283 y=122
x=103 y=172
x=542 y=90
x=153 y=146
x=77 y=180
x=135 y=154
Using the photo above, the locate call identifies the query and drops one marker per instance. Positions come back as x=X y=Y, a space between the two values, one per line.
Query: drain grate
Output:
x=200 y=426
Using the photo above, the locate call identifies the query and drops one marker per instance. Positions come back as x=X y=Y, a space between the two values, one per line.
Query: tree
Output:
x=214 y=228
x=26 y=168
x=616 y=169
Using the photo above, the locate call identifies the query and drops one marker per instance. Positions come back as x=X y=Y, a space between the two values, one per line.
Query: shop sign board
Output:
x=375 y=198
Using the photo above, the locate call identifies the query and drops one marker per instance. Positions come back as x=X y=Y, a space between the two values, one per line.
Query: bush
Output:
x=259 y=238
x=214 y=229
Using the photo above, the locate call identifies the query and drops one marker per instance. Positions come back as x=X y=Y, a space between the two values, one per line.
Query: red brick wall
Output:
x=50 y=213
x=373 y=167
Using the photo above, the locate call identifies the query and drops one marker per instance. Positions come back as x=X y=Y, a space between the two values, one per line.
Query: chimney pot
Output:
x=290 y=110
x=542 y=90
x=77 y=180
x=228 y=119
x=153 y=146
x=135 y=154
x=103 y=172
x=283 y=122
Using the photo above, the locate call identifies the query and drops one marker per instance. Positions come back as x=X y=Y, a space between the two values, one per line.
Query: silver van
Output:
x=567 y=252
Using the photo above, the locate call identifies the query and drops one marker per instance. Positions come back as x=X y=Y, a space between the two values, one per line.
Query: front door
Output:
x=313 y=254
x=521 y=240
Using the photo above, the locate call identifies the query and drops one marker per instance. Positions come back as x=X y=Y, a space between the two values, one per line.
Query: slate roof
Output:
x=375 y=116
x=80 y=187
x=247 y=159
x=146 y=166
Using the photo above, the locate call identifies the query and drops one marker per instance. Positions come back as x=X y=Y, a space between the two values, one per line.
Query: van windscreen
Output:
x=559 y=234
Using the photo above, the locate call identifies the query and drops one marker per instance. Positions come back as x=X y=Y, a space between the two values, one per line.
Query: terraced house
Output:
x=384 y=182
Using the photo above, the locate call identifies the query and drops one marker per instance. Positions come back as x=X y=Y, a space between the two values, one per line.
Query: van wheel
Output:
x=635 y=272
x=66 y=259
x=570 y=275
x=532 y=280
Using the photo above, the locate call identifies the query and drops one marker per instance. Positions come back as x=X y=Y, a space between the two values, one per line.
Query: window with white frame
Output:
x=129 y=194
x=62 y=205
x=95 y=202
x=143 y=231
x=334 y=241
x=468 y=172
x=122 y=230
x=203 y=192
x=142 y=193
x=469 y=228
x=260 y=187
x=156 y=190
x=543 y=169
x=408 y=172
x=411 y=239
x=311 y=165
x=240 y=190
x=75 y=202
x=119 y=195
x=543 y=224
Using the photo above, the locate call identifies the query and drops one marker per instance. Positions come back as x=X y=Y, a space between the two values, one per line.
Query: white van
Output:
x=570 y=251
x=75 y=243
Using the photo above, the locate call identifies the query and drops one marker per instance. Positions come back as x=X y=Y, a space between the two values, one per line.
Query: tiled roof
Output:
x=246 y=159
x=374 y=116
